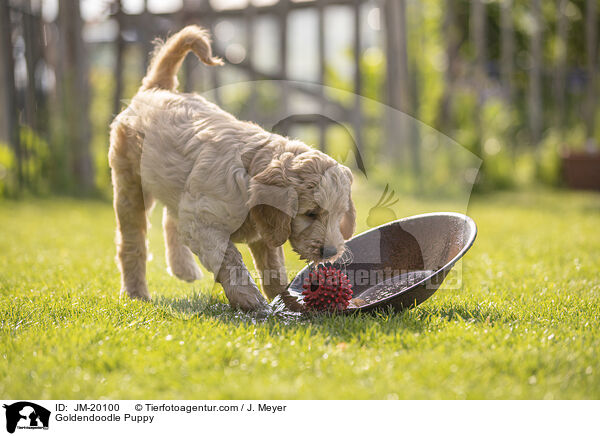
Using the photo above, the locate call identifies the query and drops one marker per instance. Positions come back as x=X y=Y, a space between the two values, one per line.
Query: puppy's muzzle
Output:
x=328 y=251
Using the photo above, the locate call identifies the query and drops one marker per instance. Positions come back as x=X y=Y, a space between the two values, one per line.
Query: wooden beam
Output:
x=203 y=15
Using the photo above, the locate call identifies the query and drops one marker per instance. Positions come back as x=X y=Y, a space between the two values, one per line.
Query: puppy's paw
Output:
x=141 y=294
x=292 y=303
x=247 y=298
x=187 y=272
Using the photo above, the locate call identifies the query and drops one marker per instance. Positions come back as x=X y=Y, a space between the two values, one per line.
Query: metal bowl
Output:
x=402 y=263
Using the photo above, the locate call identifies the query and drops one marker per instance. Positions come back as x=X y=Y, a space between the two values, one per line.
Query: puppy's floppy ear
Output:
x=348 y=223
x=273 y=203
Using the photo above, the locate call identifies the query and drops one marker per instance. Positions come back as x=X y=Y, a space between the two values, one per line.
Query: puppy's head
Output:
x=305 y=198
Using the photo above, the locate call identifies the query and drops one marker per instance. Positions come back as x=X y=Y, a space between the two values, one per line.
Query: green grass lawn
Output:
x=525 y=324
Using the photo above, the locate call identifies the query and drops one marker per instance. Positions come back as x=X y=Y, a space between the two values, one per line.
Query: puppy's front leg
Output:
x=239 y=286
x=220 y=256
x=270 y=263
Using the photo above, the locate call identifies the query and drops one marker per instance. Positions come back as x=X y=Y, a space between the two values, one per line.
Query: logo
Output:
x=382 y=212
x=26 y=415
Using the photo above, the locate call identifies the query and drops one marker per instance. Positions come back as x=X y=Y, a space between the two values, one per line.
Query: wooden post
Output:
x=29 y=107
x=75 y=94
x=560 y=68
x=398 y=82
x=214 y=72
x=322 y=67
x=357 y=118
x=283 y=41
x=535 y=73
x=38 y=46
x=402 y=135
x=252 y=99
x=478 y=40
x=507 y=49
x=31 y=47
x=146 y=30
x=188 y=63
x=9 y=105
x=591 y=33
x=119 y=52
x=451 y=35
x=507 y=61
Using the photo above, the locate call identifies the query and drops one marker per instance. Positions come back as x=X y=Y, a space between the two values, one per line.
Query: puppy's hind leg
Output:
x=180 y=259
x=130 y=209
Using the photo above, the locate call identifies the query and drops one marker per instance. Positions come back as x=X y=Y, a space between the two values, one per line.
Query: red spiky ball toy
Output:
x=327 y=289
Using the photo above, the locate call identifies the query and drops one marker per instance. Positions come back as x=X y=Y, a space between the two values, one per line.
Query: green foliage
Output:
x=431 y=62
x=464 y=110
x=102 y=85
x=7 y=171
x=497 y=121
x=36 y=162
x=525 y=325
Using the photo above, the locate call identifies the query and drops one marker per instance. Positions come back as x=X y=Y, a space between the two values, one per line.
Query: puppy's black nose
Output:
x=328 y=251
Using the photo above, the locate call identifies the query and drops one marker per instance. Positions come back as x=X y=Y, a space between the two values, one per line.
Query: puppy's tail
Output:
x=168 y=57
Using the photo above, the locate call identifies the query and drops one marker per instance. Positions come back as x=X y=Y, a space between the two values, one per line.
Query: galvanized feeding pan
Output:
x=402 y=263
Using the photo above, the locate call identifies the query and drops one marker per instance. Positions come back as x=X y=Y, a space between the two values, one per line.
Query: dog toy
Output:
x=327 y=289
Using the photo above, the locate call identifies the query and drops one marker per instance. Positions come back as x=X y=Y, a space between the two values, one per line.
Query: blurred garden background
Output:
x=485 y=107
x=512 y=81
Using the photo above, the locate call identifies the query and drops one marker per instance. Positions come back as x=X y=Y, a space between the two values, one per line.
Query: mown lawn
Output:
x=525 y=325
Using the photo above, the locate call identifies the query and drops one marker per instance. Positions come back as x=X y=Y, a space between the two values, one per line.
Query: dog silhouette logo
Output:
x=26 y=415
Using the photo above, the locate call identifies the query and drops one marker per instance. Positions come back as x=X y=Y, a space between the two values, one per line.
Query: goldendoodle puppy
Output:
x=222 y=181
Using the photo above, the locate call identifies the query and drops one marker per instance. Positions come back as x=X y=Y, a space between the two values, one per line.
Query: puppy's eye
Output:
x=312 y=214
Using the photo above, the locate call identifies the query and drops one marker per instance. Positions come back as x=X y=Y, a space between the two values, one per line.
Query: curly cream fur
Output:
x=222 y=181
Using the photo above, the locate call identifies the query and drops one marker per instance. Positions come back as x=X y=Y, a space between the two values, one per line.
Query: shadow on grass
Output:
x=472 y=313
x=207 y=306
x=428 y=317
